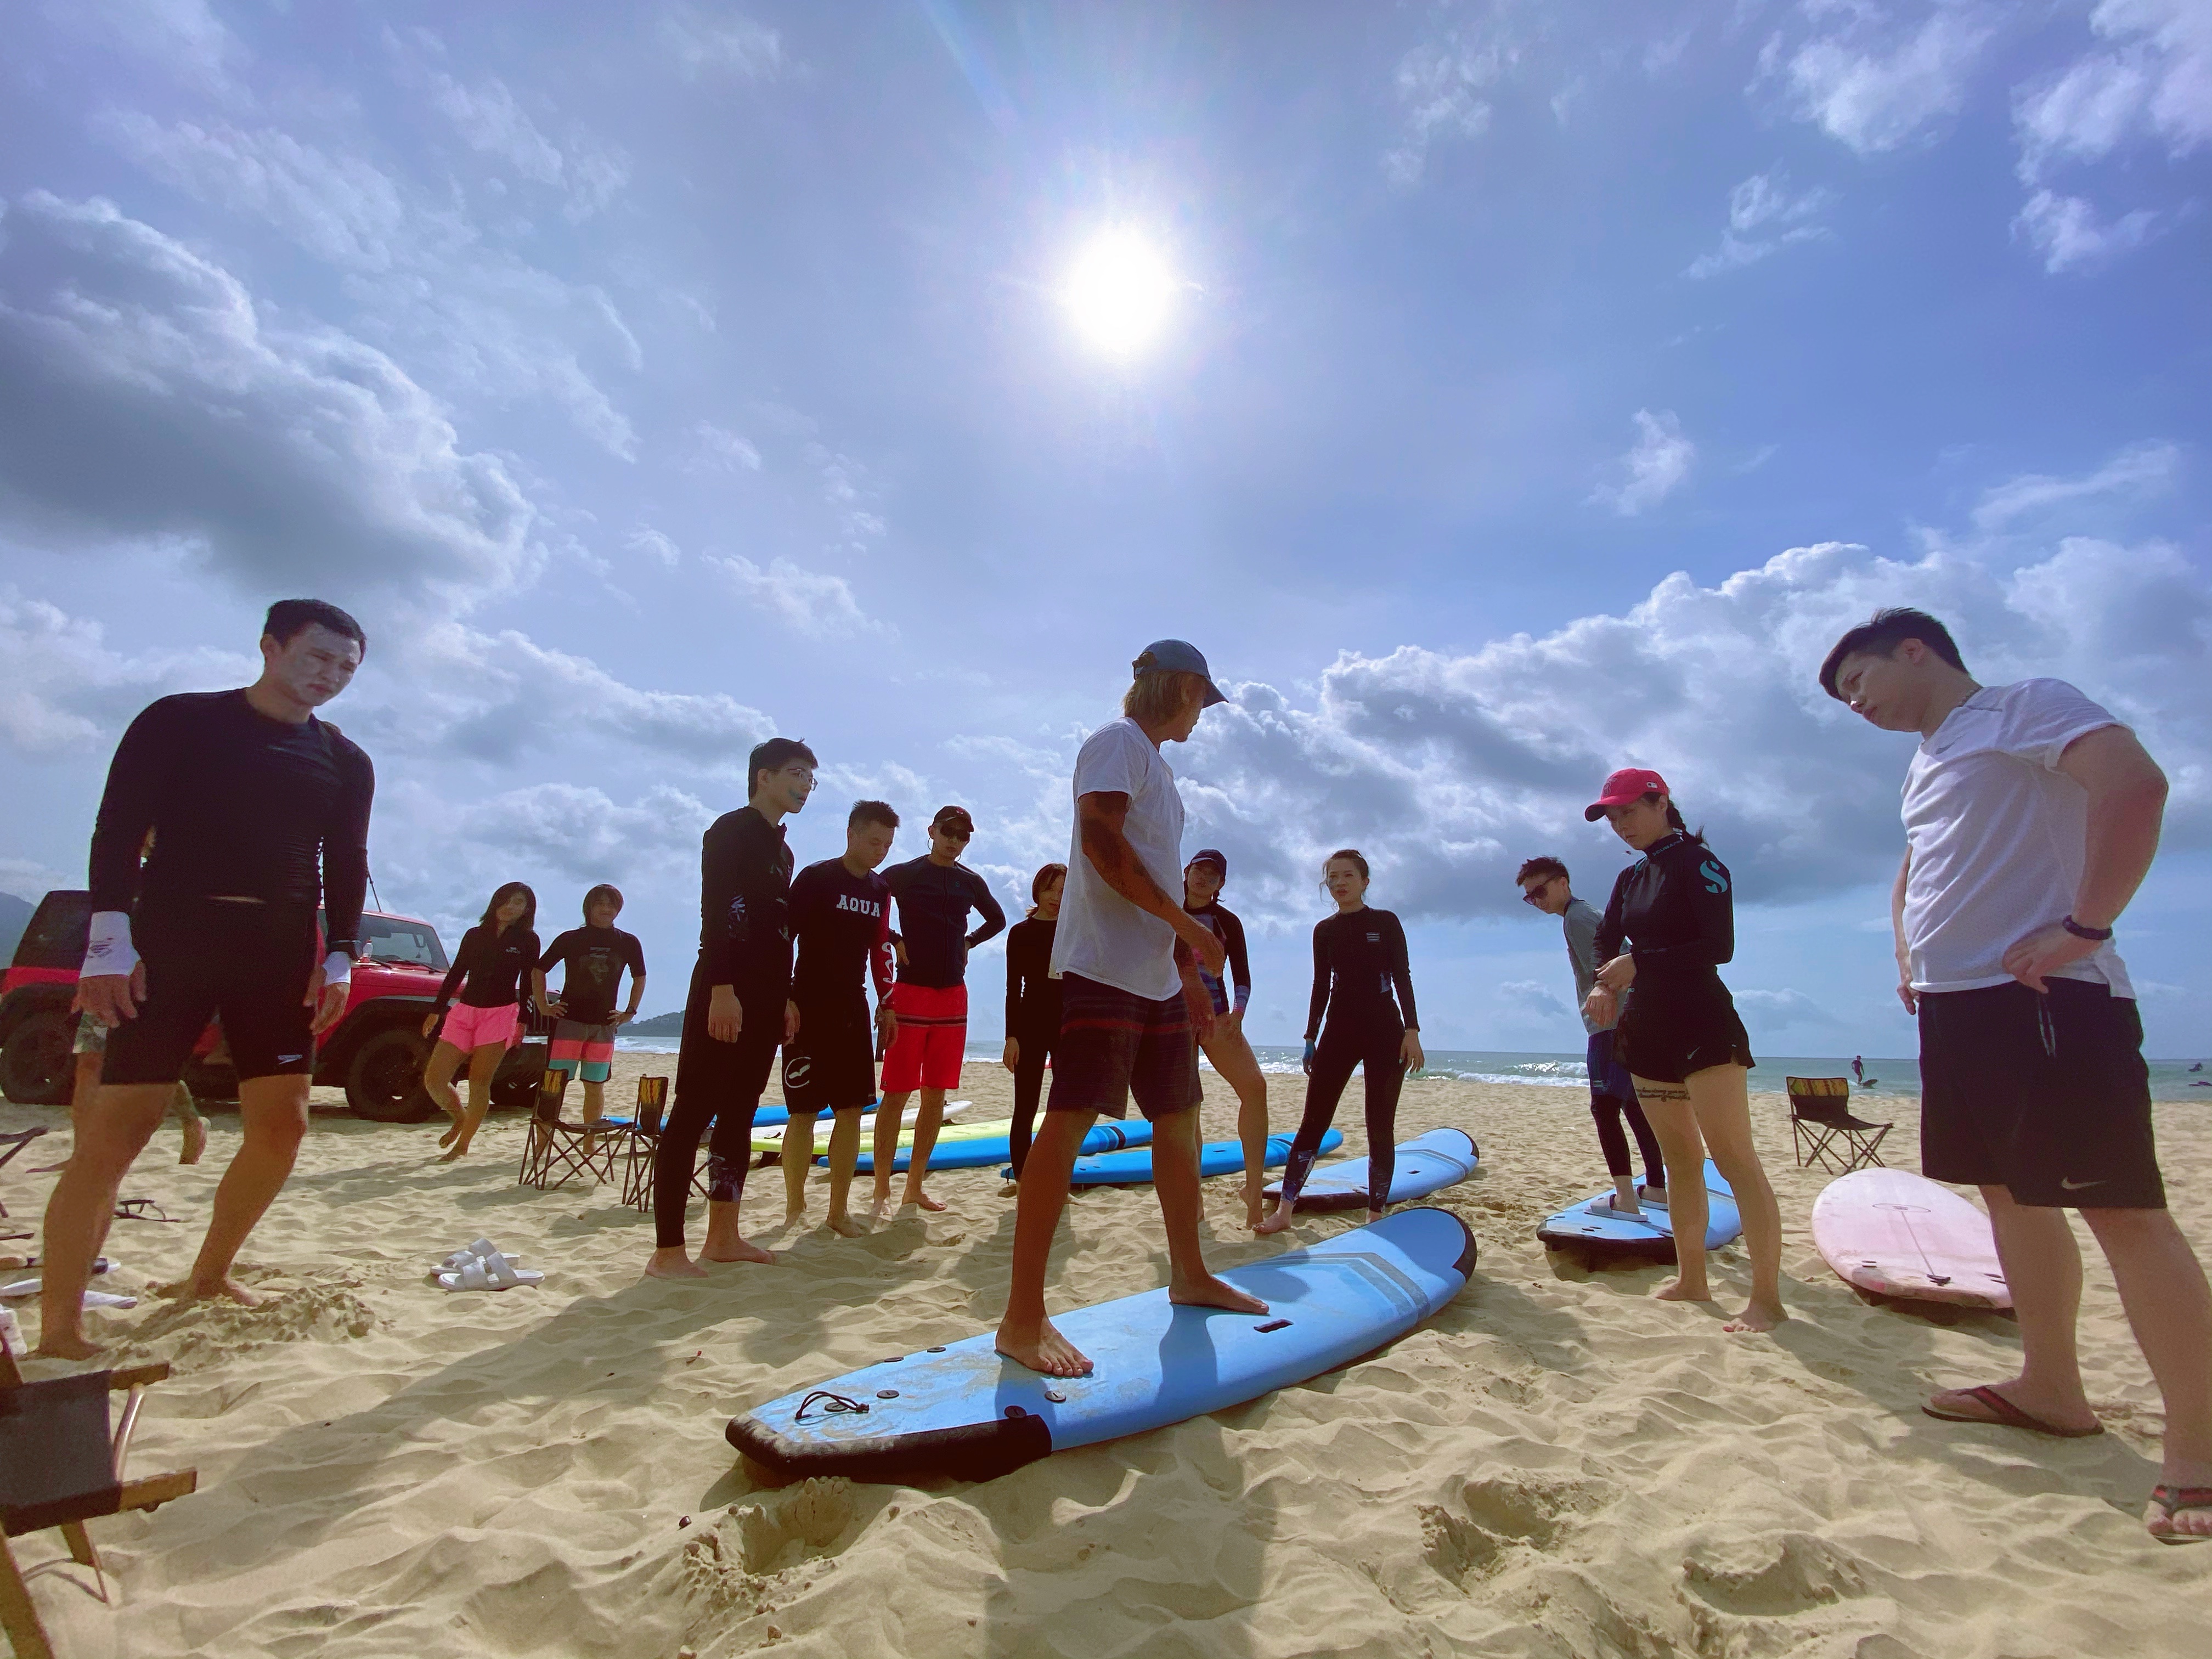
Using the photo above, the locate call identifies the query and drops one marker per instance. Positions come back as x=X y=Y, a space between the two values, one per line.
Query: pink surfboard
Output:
x=1898 y=1234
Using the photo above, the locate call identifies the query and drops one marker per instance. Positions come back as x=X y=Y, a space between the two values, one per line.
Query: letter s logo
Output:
x=1716 y=877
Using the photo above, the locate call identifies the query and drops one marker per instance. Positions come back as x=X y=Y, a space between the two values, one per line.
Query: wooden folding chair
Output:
x=60 y=1467
x=1827 y=1133
x=13 y=1143
x=555 y=1151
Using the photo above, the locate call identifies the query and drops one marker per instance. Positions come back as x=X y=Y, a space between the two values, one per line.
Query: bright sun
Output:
x=1120 y=291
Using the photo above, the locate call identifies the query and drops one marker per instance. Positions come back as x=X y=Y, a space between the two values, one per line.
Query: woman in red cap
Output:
x=1680 y=1038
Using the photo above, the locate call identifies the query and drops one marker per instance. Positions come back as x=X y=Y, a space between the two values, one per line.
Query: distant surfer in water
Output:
x=1133 y=1006
x=1858 y=1069
x=1234 y=1063
x=1359 y=962
x=1543 y=882
x=2030 y=818
x=1667 y=927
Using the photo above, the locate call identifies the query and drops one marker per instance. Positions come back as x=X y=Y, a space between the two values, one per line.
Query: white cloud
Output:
x=2068 y=232
x=2137 y=470
x=1532 y=998
x=588 y=173
x=1873 y=82
x=1764 y=218
x=63 y=689
x=1774 y=1009
x=813 y=601
x=1654 y=467
x=731 y=41
x=583 y=834
x=184 y=36
x=722 y=451
x=654 y=543
x=150 y=398
x=1441 y=90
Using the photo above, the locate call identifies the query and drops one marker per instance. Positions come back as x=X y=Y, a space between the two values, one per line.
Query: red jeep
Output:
x=375 y=1052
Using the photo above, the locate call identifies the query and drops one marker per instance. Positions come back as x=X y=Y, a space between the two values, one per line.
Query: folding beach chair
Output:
x=555 y=1151
x=12 y=1144
x=59 y=1468
x=643 y=1138
x=1827 y=1133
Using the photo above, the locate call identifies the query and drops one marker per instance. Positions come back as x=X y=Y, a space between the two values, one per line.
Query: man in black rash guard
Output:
x=935 y=893
x=740 y=1010
x=595 y=955
x=260 y=810
x=841 y=913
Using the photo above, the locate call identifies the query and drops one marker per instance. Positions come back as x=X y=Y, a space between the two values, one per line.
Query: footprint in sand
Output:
x=1470 y=1540
x=1772 y=1577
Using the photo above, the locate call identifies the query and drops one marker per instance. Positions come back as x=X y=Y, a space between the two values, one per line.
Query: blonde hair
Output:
x=1155 y=699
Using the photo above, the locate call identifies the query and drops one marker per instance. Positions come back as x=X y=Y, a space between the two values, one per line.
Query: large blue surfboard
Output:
x=1425 y=1163
x=996 y=1149
x=1216 y=1158
x=963 y=1412
x=1653 y=1236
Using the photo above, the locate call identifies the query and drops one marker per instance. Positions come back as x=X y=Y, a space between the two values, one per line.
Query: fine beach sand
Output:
x=1556 y=1465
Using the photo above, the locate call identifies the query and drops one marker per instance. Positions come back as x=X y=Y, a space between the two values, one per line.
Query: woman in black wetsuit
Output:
x=1032 y=1007
x=494 y=955
x=1359 y=959
x=1669 y=925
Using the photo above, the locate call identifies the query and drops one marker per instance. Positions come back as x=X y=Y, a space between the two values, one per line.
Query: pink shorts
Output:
x=471 y=1028
x=931 y=1039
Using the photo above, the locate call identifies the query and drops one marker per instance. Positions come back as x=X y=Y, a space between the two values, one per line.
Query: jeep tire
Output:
x=384 y=1082
x=37 y=1066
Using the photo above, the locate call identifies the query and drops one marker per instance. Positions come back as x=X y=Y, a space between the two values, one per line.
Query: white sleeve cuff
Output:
x=107 y=948
x=338 y=969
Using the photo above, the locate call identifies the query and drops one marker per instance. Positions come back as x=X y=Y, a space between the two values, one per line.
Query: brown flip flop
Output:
x=2004 y=1415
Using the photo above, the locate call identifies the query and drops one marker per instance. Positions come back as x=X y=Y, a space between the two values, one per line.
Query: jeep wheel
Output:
x=384 y=1081
x=36 y=1065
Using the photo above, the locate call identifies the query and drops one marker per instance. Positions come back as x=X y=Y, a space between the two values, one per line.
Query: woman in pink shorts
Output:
x=488 y=970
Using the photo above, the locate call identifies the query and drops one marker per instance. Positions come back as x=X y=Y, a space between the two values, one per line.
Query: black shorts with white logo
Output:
x=249 y=963
x=2047 y=1096
x=830 y=1066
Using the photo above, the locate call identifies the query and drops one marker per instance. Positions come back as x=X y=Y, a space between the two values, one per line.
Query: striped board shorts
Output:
x=1113 y=1044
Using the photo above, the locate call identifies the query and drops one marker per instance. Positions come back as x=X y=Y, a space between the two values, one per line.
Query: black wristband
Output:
x=2098 y=934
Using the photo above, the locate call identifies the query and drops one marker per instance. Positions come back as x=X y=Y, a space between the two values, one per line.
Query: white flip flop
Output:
x=25 y=1287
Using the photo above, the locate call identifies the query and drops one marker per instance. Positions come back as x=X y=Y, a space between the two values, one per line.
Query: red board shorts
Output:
x=586 y=1050
x=932 y=1037
x=471 y=1028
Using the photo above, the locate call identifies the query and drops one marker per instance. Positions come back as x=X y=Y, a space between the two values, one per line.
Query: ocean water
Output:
x=2170 y=1079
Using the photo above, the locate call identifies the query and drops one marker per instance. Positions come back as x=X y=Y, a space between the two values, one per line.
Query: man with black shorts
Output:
x=259 y=811
x=929 y=1003
x=2030 y=818
x=841 y=921
x=594 y=955
x=739 y=1011
x=1132 y=1006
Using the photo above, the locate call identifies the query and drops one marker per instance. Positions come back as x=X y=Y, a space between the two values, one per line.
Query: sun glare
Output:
x=1120 y=291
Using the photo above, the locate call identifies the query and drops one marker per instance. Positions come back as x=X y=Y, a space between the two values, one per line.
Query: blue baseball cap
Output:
x=1178 y=657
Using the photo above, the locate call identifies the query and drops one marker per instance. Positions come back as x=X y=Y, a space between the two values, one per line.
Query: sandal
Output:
x=2004 y=1415
x=2170 y=1501
x=142 y=1209
x=468 y=1253
x=491 y=1273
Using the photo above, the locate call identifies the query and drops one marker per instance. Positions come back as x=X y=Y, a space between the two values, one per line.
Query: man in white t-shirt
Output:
x=2030 y=818
x=1132 y=1008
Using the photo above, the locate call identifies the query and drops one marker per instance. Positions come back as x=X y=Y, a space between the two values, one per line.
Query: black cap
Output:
x=1213 y=856
x=957 y=816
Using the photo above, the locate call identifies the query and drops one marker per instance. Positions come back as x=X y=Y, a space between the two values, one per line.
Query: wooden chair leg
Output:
x=80 y=1545
x=19 y=1615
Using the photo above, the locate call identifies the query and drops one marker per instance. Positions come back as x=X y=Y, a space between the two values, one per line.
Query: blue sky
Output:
x=1540 y=389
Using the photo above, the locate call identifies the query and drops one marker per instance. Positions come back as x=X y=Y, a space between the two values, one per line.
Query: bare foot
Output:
x=1012 y=1189
x=459 y=1151
x=1041 y=1348
x=1758 y=1317
x=1212 y=1292
x=1275 y=1220
x=737 y=1250
x=845 y=1227
x=452 y=1129
x=793 y=1217
x=915 y=1195
x=195 y=1141
x=69 y=1346
x=1674 y=1291
x=223 y=1290
x=672 y=1264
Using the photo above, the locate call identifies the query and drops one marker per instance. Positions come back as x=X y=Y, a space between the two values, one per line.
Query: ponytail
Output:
x=1674 y=821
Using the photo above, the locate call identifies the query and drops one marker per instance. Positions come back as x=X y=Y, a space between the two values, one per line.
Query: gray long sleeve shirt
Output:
x=1579 y=920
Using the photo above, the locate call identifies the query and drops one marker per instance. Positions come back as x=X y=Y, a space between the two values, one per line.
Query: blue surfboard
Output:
x=965 y=1411
x=996 y=1149
x=1653 y=1236
x=1216 y=1158
x=1425 y=1163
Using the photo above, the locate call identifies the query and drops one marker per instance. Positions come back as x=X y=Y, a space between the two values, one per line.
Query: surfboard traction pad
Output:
x=972 y=1451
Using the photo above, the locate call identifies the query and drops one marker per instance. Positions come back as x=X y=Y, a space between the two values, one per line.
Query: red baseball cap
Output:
x=1628 y=784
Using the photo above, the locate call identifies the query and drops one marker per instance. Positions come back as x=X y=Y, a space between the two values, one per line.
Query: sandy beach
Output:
x=1556 y=1465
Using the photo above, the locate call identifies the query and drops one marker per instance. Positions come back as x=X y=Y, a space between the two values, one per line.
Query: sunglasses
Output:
x=1535 y=895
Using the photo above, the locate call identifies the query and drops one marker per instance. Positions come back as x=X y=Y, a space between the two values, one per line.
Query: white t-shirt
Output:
x=1997 y=835
x=1101 y=935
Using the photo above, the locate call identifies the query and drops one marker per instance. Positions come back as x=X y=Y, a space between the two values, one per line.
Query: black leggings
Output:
x=1608 y=1109
x=719 y=1082
x=1029 y=1089
x=1343 y=1044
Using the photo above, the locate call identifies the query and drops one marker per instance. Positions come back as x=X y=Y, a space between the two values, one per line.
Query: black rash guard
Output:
x=493 y=963
x=934 y=902
x=1675 y=902
x=842 y=923
x=1358 y=960
x=241 y=806
x=1032 y=993
x=596 y=957
x=1224 y=927
x=745 y=899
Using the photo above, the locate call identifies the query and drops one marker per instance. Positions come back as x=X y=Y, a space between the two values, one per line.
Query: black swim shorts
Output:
x=249 y=963
x=2045 y=1095
x=830 y=1066
x=1114 y=1044
x=1676 y=1026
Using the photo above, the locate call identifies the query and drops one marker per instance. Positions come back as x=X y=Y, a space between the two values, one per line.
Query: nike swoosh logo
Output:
x=2076 y=1186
